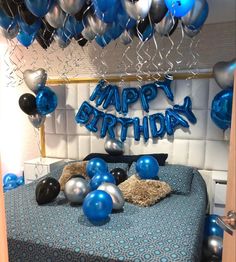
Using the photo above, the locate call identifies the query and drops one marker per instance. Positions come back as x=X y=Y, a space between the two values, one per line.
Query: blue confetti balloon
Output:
x=179 y=8
x=46 y=101
x=147 y=167
x=97 y=206
x=9 y=177
x=96 y=165
x=100 y=178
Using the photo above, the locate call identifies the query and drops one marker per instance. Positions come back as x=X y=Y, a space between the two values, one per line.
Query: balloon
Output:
x=126 y=37
x=174 y=120
x=29 y=29
x=92 y=126
x=197 y=16
x=81 y=40
x=125 y=123
x=97 y=206
x=45 y=35
x=113 y=98
x=97 y=26
x=10 y=185
x=101 y=178
x=6 y=21
x=76 y=189
x=47 y=190
x=46 y=101
x=162 y=130
x=114 y=31
x=108 y=16
x=212 y=248
x=108 y=124
x=9 y=177
x=72 y=26
x=123 y=19
x=96 y=165
x=20 y=181
x=39 y=8
x=37 y=120
x=129 y=96
x=83 y=115
x=211 y=227
x=55 y=16
x=224 y=73
x=144 y=29
x=35 y=79
x=10 y=33
x=9 y=7
x=147 y=93
x=100 y=92
x=221 y=109
x=71 y=7
x=104 y=5
x=119 y=174
x=115 y=193
x=167 y=25
x=83 y=11
x=186 y=109
x=137 y=9
x=179 y=8
x=189 y=32
x=62 y=43
x=25 y=39
x=27 y=103
x=147 y=167
x=88 y=33
x=26 y=15
x=158 y=10
x=102 y=41
x=138 y=129
x=114 y=147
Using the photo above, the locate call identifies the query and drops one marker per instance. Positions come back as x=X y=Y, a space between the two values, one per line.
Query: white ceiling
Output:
x=221 y=11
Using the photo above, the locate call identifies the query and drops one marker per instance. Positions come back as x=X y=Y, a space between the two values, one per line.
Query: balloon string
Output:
x=153 y=62
x=179 y=61
x=171 y=65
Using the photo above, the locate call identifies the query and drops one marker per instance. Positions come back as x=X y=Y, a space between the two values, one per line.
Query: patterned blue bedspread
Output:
x=168 y=231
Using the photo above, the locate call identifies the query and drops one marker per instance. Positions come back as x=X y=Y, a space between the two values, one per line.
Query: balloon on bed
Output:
x=98 y=20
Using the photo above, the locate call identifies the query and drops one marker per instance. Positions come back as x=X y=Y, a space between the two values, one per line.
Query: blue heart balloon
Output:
x=46 y=101
x=25 y=39
x=7 y=22
x=179 y=8
x=39 y=8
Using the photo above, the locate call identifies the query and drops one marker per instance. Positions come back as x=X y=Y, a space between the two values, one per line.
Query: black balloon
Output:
x=47 y=190
x=45 y=35
x=27 y=103
x=9 y=7
x=119 y=174
x=81 y=40
x=80 y=15
x=26 y=15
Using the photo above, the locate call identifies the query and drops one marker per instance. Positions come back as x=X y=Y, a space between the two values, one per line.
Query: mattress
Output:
x=171 y=230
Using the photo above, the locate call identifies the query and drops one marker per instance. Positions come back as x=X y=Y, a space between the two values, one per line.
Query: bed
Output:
x=171 y=230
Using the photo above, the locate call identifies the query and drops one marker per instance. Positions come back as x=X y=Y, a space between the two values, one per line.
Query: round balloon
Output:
x=179 y=8
x=101 y=178
x=97 y=206
x=119 y=174
x=158 y=10
x=96 y=165
x=137 y=9
x=114 y=147
x=211 y=227
x=147 y=167
x=27 y=103
x=46 y=101
x=39 y=8
x=55 y=16
x=71 y=7
x=212 y=248
x=9 y=177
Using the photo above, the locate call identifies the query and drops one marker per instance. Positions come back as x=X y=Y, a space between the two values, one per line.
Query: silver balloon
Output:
x=96 y=25
x=115 y=193
x=56 y=16
x=11 y=33
x=189 y=32
x=224 y=73
x=158 y=10
x=35 y=79
x=137 y=9
x=76 y=189
x=126 y=37
x=88 y=33
x=213 y=247
x=62 y=44
x=71 y=6
x=114 y=147
x=166 y=25
x=37 y=120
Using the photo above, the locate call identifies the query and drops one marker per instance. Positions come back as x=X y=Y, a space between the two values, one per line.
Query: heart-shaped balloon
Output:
x=56 y=16
x=47 y=190
x=137 y=9
x=37 y=120
x=71 y=6
x=35 y=79
x=224 y=73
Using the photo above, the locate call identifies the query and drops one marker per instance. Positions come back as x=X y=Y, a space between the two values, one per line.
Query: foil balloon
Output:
x=9 y=177
x=88 y=33
x=76 y=189
x=147 y=167
x=27 y=103
x=137 y=9
x=221 y=109
x=148 y=93
x=179 y=8
x=96 y=165
x=116 y=195
x=102 y=41
x=108 y=124
x=20 y=181
x=129 y=96
x=126 y=37
x=6 y=21
x=25 y=39
x=212 y=248
x=167 y=25
x=101 y=178
x=224 y=73
x=158 y=10
x=37 y=120
x=141 y=128
x=125 y=123
x=55 y=16
x=62 y=43
x=11 y=33
x=39 y=8
x=153 y=125
x=114 y=147
x=35 y=79
x=72 y=6
x=190 y=32
x=46 y=101
x=97 y=26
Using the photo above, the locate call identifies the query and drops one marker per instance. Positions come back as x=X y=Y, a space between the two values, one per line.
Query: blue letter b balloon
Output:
x=147 y=167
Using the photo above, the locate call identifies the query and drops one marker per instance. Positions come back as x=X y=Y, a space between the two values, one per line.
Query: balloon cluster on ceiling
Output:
x=99 y=20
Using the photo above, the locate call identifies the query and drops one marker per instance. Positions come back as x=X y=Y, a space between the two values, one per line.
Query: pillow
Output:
x=129 y=159
x=144 y=192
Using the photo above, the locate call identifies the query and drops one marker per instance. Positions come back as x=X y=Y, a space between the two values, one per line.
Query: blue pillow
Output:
x=112 y=166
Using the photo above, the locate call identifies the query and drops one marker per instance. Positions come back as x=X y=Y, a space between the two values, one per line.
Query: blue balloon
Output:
x=9 y=177
x=6 y=21
x=83 y=115
x=114 y=32
x=92 y=126
x=108 y=124
x=211 y=228
x=10 y=185
x=25 y=39
x=96 y=165
x=125 y=123
x=148 y=93
x=129 y=96
x=166 y=86
x=20 y=181
x=147 y=33
x=100 y=178
x=29 y=29
x=179 y=8
x=138 y=129
x=221 y=109
x=39 y=8
x=64 y=35
x=123 y=19
x=162 y=129
x=113 y=98
x=147 y=167
x=109 y=16
x=97 y=206
x=102 y=41
x=73 y=27
x=46 y=101
x=100 y=92
x=104 y=5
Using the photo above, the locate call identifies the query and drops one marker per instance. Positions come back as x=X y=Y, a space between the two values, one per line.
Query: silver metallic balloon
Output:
x=115 y=193
x=97 y=25
x=88 y=33
x=35 y=79
x=166 y=25
x=158 y=10
x=56 y=16
x=126 y=37
x=71 y=6
x=114 y=147
x=189 y=32
x=213 y=248
x=137 y=9
x=62 y=44
x=11 y=33
x=37 y=120
x=76 y=189
x=224 y=73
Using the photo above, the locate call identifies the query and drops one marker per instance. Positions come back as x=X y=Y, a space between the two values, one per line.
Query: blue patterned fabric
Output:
x=171 y=230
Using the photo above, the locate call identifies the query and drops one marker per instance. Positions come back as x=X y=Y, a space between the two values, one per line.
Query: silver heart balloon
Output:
x=114 y=147
x=88 y=34
x=158 y=10
x=35 y=79
x=97 y=25
x=71 y=6
x=11 y=33
x=56 y=16
x=166 y=25
x=37 y=120
x=137 y=9
x=76 y=189
x=115 y=193
x=126 y=37
x=189 y=32
x=224 y=73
